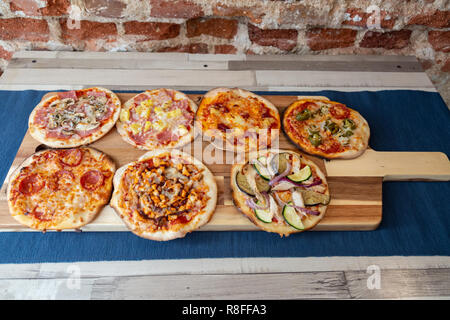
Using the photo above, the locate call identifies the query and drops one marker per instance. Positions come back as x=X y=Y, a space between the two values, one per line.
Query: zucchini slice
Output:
x=292 y=218
x=302 y=175
x=312 y=198
x=260 y=167
x=264 y=215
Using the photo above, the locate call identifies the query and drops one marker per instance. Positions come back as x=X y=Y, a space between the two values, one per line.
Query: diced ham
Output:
x=68 y=94
x=41 y=116
x=142 y=97
x=166 y=136
x=85 y=133
x=56 y=134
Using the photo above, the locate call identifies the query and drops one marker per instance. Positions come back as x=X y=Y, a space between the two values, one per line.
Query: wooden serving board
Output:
x=355 y=185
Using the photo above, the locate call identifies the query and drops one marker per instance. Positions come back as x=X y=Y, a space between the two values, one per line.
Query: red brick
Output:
x=183 y=9
x=354 y=13
x=5 y=54
x=426 y=63
x=322 y=39
x=189 y=48
x=255 y=13
x=31 y=7
x=152 y=30
x=24 y=29
x=88 y=30
x=284 y=39
x=386 y=40
x=446 y=66
x=105 y=8
x=221 y=28
x=435 y=19
x=225 y=49
x=440 y=40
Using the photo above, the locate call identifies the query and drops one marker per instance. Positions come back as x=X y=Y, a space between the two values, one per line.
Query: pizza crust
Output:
x=40 y=134
x=240 y=197
x=224 y=144
x=363 y=131
x=151 y=145
x=82 y=218
x=165 y=235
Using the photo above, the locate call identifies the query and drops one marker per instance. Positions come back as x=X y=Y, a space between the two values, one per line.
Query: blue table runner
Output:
x=416 y=215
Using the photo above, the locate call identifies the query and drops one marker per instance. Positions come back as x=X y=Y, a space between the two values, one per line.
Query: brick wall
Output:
x=391 y=27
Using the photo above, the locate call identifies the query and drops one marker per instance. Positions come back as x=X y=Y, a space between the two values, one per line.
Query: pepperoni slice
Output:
x=71 y=157
x=60 y=179
x=91 y=180
x=31 y=184
x=339 y=111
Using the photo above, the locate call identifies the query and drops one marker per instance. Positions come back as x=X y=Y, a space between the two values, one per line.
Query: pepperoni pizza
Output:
x=59 y=189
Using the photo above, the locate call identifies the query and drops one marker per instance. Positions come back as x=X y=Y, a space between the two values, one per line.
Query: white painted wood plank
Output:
x=216 y=57
x=400 y=284
x=90 y=55
x=323 y=58
x=168 y=64
x=53 y=87
x=324 y=285
x=218 y=266
x=339 y=78
x=107 y=77
x=46 y=289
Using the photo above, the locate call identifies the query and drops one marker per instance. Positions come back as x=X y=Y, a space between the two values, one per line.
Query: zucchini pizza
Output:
x=57 y=189
x=74 y=118
x=164 y=194
x=280 y=191
x=238 y=120
x=326 y=128
x=160 y=118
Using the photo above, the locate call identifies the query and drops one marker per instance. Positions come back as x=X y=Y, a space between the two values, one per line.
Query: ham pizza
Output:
x=238 y=120
x=280 y=191
x=74 y=118
x=58 y=189
x=326 y=128
x=164 y=194
x=160 y=118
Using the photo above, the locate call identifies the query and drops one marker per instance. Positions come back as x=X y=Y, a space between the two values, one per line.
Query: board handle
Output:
x=393 y=166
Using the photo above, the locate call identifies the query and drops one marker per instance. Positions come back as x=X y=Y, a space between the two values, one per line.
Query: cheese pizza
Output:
x=326 y=128
x=161 y=118
x=238 y=120
x=74 y=118
x=280 y=191
x=164 y=194
x=59 y=189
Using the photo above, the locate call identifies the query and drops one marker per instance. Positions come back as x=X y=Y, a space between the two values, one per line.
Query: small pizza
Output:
x=164 y=195
x=74 y=118
x=59 y=189
x=238 y=120
x=161 y=118
x=280 y=191
x=326 y=128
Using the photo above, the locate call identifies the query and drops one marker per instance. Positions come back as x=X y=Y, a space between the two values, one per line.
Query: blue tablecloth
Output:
x=416 y=215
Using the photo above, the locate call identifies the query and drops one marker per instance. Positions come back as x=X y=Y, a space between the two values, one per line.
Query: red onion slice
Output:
x=251 y=202
x=281 y=175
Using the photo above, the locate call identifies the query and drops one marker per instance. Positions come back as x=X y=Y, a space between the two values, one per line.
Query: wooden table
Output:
x=231 y=278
